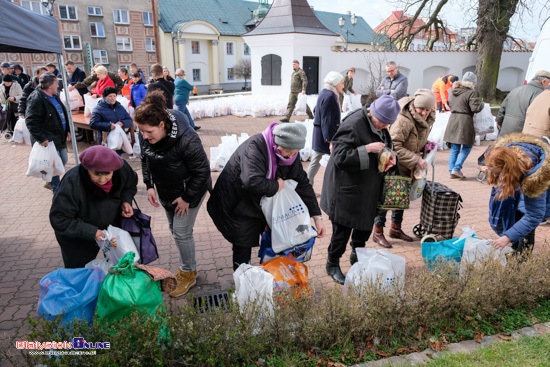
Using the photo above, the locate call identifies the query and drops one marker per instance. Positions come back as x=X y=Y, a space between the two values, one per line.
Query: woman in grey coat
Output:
x=460 y=132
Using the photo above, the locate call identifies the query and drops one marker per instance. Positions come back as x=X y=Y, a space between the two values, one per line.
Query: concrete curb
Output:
x=466 y=346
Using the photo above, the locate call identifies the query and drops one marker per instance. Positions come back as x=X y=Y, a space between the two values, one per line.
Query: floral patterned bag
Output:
x=396 y=191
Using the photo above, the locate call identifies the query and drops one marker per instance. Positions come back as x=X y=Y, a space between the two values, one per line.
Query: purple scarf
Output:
x=273 y=155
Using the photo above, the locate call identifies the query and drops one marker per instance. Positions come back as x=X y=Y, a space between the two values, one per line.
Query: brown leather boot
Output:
x=378 y=237
x=396 y=232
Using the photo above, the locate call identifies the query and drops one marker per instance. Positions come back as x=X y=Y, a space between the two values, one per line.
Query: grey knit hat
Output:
x=424 y=98
x=469 y=77
x=385 y=109
x=290 y=135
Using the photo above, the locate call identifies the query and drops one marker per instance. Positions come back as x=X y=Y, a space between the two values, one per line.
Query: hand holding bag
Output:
x=139 y=227
x=396 y=190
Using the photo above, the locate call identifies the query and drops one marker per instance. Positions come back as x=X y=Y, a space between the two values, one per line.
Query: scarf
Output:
x=333 y=89
x=274 y=157
x=105 y=187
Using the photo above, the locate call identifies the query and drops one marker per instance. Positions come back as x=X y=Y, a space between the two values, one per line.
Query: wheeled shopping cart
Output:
x=438 y=212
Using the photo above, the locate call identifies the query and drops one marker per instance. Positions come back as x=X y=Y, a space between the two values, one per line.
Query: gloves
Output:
x=431 y=145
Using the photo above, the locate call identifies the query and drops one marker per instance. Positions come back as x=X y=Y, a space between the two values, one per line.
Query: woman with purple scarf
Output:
x=258 y=168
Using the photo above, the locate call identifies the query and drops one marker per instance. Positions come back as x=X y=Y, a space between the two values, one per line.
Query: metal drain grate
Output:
x=211 y=303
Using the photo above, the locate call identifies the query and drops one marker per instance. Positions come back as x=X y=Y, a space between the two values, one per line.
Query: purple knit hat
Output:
x=385 y=109
x=99 y=158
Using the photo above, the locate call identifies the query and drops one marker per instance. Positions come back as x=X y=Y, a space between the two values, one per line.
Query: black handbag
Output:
x=139 y=227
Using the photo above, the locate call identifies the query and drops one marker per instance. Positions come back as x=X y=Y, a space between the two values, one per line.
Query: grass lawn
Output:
x=525 y=352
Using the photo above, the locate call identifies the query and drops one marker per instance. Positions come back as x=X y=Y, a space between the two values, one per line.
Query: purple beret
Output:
x=385 y=109
x=99 y=158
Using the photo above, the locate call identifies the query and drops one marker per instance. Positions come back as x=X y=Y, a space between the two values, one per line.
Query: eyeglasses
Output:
x=390 y=71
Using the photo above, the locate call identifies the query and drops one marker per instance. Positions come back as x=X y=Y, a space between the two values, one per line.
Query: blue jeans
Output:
x=183 y=108
x=458 y=156
x=64 y=158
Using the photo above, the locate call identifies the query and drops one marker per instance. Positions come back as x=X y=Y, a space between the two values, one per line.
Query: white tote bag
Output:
x=116 y=242
x=44 y=162
x=288 y=218
x=301 y=104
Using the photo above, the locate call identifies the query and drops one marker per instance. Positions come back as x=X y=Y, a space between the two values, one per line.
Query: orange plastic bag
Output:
x=288 y=275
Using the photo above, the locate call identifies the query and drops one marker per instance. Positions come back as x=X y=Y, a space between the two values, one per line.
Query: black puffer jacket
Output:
x=235 y=202
x=27 y=90
x=43 y=121
x=177 y=165
x=80 y=208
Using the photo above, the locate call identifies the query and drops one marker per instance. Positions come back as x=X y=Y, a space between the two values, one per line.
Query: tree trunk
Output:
x=493 y=23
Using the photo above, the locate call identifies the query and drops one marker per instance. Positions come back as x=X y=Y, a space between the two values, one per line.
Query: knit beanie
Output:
x=385 y=109
x=99 y=158
x=290 y=135
x=424 y=98
x=109 y=90
x=469 y=77
x=333 y=78
x=7 y=78
x=454 y=78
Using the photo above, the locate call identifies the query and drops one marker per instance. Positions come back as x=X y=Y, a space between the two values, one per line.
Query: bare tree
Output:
x=243 y=69
x=375 y=65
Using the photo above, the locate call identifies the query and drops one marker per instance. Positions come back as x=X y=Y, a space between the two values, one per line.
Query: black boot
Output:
x=333 y=269
x=353 y=257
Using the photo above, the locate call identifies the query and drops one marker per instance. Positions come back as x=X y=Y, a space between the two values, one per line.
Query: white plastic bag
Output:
x=301 y=105
x=376 y=265
x=484 y=121
x=114 y=140
x=476 y=250
x=253 y=286
x=103 y=264
x=288 y=218
x=324 y=160
x=125 y=102
x=438 y=129
x=75 y=99
x=219 y=156
x=346 y=103
x=115 y=243
x=18 y=131
x=89 y=104
x=136 y=149
x=355 y=101
x=126 y=146
x=44 y=162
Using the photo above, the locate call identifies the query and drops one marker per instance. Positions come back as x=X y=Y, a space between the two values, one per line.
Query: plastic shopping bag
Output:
x=288 y=275
x=301 y=105
x=75 y=99
x=355 y=100
x=116 y=243
x=18 y=131
x=434 y=253
x=125 y=102
x=136 y=149
x=70 y=291
x=288 y=218
x=484 y=121
x=114 y=139
x=126 y=146
x=478 y=250
x=376 y=266
x=253 y=287
x=103 y=264
x=301 y=252
x=438 y=129
x=44 y=162
x=89 y=104
x=420 y=177
x=219 y=156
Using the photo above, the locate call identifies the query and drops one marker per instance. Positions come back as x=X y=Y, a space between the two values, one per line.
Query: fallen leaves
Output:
x=420 y=332
x=436 y=346
x=505 y=336
x=478 y=337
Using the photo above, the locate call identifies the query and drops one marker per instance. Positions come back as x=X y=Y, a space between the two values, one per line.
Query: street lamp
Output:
x=342 y=22
x=48 y=4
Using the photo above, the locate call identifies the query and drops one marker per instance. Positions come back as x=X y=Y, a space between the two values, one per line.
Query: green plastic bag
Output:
x=126 y=289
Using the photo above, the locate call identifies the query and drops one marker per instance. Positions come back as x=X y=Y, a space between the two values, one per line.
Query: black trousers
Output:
x=380 y=219
x=340 y=237
x=526 y=243
x=241 y=255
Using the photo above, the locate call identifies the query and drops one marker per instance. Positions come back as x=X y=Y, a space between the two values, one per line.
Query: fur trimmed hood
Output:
x=537 y=180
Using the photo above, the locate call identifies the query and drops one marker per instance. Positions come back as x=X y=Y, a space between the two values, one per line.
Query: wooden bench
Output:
x=83 y=122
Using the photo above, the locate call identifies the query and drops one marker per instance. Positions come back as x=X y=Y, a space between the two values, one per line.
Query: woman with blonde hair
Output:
x=103 y=82
x=519 y=171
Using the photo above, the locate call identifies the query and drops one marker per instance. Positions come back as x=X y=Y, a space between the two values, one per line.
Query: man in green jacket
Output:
x=298 y=83
x=348 y=85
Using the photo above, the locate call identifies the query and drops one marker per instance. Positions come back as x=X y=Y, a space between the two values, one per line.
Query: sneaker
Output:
x=47 y=186
x=284 y=120
x=186 y=279
x=457 y=174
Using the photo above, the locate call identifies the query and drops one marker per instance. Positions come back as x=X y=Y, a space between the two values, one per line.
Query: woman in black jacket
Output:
x=175 y=163
x=91 y=196
x=258 y=168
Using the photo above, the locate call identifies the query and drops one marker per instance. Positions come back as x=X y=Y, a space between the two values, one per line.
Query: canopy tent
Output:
x=24 y=31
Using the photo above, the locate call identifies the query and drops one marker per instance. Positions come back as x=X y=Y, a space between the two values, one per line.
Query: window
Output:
x=230 y=73
x=123 y=44
x=150 y=45
x=97 y=30
x=196 y=75
x=72 y=43
x=35 y=6
x=100 y=57
x=67 y=12
x=229 y=48
x=95 y=10
x=195 y=47
x=121 y=16
x=147 y=18
x=246 y=50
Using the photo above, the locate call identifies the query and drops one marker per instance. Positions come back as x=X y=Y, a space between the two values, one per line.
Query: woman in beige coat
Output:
x=409 y=134
x=537 y=120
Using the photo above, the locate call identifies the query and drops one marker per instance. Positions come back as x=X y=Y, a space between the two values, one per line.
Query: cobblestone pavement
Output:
x=30 y=251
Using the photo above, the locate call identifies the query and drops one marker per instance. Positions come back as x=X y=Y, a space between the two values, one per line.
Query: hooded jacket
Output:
x=409 y=134
x=137 y=93
x=177 y=165
x=512 y=112
x=29 y=88
x=531 y=200
x=464 y=103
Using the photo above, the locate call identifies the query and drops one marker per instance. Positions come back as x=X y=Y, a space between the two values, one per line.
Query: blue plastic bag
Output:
x=300 y=253
x=436 y=252
x=73 y=291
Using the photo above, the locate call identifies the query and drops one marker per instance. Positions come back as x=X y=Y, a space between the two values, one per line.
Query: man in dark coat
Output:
x=76 y=75
x=47 y=119
x=353 y=182
x=23 y=78
x=163 y=85
x=235 y=202
x=92 y=196
x=29 y=88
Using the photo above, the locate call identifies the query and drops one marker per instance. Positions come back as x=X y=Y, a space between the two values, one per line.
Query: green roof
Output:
x=230 y=16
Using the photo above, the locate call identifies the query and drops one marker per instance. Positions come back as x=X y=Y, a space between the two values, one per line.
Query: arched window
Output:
x=271 y=69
